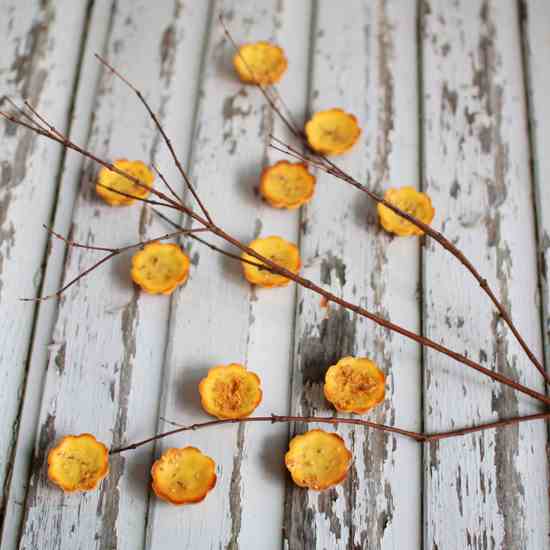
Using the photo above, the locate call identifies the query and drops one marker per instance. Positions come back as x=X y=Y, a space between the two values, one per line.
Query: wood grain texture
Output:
x=355 y=66
x=93 y=39
x=443 y=106
x=488 y=490
x=108 y=343
x=34 y=64
x=536 y=29
x=271 y=330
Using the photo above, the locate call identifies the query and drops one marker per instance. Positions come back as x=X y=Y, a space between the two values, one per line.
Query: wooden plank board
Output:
x=109 y=340
x=364 y=61
x=34 y=64
x=219 y=318
x=94 y=36
x=537 y=45
x=271 y=331
x=488 y=489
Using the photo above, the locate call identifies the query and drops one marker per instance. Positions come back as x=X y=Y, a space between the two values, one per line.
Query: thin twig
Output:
x=30 y=125
x=163 y=133
x=43 y=120
x=289 y=151
x=112 y=253
x=23 y=113
x=74 y=244
x=74 y=147
x=488 y=426
x=174 y=234
x=273 y=419
x=135 y=197
x=289 y=123
x=72 y=281
x=213 y=246
x=335 y=171
x=436 y=235
x=335 y=421
x=169 y=187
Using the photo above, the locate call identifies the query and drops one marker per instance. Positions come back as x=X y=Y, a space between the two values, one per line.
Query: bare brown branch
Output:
x=489 y=426
x=163 y=133
x=112 y=253
x=274 y=419
x=335 y=421
x=23 y=113
x=43 y=120
x=212 y=246
x=265 y=90
x=168 y=186
x=81 y=275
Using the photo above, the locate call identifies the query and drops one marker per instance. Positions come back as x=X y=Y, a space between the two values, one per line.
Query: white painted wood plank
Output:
x=219 y=318
x=108 y=344
x=35 y=64
x=97 y=28
x=364 y=61
x=537 y=37
x=271 y=331
x=488 y=489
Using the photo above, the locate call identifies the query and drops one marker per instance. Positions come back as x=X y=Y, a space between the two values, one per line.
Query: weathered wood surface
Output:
x=95 y=32
x=491 y=489
x=236 y=323
x=35 y=64
x=536 y=22
x=115 y=394
x=354 y=66
x=441 y=89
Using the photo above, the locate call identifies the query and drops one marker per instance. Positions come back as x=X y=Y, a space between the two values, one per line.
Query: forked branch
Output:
x=112 y=252
x=165 y=137
x=416 y=436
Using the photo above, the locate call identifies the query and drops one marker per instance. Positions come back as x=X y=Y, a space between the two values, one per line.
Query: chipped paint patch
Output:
x=386 y=113
x=325 y=504
x=331 y=266
x=109 y=498
x=59 y=359
x=235 y=107
x=449 y=99
x=39 y=467
x=375 y=452
x=235 y=490
x=324 y=345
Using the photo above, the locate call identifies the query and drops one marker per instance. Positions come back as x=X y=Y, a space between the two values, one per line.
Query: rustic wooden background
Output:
x=453 y=96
